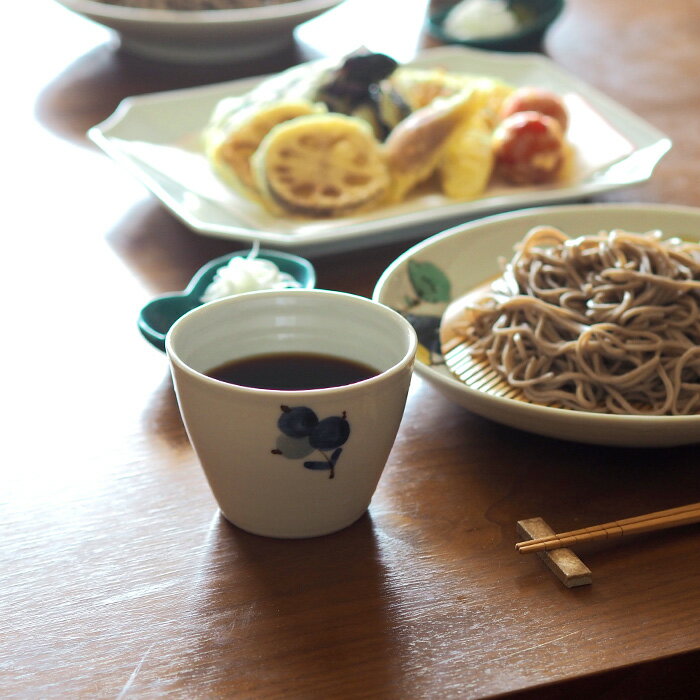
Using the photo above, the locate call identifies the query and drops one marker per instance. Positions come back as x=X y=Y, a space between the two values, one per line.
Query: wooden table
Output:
x=119 y=578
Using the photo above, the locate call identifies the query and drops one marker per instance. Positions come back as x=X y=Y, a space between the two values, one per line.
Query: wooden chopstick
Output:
x=614 y=523
x=659 y=520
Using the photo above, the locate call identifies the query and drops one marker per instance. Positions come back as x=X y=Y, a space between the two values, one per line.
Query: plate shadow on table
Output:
x=148 y=234
x=588 y=481
x=512 y=475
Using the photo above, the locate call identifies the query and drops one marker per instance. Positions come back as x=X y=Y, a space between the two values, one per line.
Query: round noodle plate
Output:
x=422 y=282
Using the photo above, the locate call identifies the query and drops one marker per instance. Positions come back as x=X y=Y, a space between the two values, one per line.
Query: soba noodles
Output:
x=605 y=323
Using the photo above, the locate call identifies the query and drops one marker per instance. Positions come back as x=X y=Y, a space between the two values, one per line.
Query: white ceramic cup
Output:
x=265 y=481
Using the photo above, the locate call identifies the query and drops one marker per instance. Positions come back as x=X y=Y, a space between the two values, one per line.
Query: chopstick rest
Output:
x=563 y=563
x=659 y=520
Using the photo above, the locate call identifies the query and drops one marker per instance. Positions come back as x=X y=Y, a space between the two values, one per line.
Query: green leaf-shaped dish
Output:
x=159 y=314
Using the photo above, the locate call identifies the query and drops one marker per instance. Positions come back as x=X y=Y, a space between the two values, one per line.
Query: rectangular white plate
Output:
x=157 y=138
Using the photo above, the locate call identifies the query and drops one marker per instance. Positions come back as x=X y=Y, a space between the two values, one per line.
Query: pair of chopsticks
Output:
x=660 y=520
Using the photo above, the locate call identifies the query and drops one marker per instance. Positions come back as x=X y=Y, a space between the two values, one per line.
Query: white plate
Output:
x=467 y=255
x=158 y=138
x=206 y=36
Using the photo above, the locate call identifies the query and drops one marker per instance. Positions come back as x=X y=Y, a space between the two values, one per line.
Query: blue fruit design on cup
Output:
x=303 y=434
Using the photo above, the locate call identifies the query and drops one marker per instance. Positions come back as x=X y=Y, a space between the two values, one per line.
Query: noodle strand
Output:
x=604 y=323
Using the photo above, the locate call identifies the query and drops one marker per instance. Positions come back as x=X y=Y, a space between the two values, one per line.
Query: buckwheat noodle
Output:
x=608 y=323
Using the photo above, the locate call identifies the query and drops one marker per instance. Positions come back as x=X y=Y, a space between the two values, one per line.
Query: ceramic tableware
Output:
x=422 y=282
x=204 y=36
x=292 y=463
x=158 y=139
x=156 y=317
x=534 y=17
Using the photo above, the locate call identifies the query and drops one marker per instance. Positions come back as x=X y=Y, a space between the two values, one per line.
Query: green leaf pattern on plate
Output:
x=429 y=282
x=430 y=286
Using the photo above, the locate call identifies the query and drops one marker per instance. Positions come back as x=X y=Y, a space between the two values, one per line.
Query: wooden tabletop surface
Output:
x=118 y=577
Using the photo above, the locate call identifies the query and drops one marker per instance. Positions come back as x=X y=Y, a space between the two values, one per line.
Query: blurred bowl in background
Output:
x=202 y=36
x=534 y=18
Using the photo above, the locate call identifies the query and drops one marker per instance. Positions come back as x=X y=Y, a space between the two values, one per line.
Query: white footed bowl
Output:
x=209 y=36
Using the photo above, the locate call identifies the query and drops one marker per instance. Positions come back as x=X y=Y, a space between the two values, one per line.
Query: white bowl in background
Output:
x=205 y=36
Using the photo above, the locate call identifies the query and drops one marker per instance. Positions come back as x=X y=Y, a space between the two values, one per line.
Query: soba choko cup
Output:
x=292 y=463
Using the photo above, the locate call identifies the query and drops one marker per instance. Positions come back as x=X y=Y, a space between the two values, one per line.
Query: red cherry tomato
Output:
x=528 y=148
x=533 y=99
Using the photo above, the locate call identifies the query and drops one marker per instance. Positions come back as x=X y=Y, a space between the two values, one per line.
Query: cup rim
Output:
x=406 y=360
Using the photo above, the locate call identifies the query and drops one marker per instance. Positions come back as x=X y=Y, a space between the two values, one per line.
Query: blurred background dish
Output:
x=524 y=23
x=202 y=36
x=157 y=138
x=160 y=313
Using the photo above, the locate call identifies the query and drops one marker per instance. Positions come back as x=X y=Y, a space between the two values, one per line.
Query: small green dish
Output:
x=158 y=315
x=535 y=17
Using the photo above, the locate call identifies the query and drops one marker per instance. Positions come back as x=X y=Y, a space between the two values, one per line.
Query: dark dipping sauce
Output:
x=292 y=371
